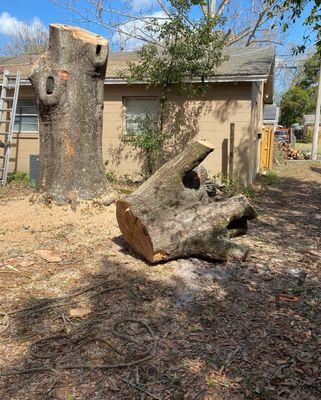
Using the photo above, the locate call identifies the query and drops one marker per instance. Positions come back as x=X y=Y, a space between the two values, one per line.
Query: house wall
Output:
x=256 y=128
x=207 y=118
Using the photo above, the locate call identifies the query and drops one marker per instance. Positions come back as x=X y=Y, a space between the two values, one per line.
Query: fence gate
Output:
x=266 y=153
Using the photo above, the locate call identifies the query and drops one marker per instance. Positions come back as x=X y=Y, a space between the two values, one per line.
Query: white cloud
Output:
x=136 y=28
x=9 y=25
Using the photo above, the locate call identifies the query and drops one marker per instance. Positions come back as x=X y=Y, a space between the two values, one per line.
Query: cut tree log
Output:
x=69 y=84
x=171 y=215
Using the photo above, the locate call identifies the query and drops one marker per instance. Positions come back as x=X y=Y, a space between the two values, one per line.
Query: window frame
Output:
x=26 y=115
x=124 y=99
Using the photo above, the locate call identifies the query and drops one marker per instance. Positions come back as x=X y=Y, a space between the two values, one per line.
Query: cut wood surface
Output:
x=171 y=215
x=68 y=80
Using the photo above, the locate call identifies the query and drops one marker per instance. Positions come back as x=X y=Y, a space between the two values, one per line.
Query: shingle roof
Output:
x=242 y=63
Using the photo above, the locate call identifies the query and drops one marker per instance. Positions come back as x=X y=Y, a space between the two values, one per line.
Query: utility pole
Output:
x=316 y=122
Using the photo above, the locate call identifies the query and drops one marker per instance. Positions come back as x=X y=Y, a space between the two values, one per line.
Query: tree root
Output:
x=35 y=352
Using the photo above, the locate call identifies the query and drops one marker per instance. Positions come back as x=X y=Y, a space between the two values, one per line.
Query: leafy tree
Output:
x=184 y=53
x=308 y=76
x=300 y=99
x=296 y=102
x=310 y=11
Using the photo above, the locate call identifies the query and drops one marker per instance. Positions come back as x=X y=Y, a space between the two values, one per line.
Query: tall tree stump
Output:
x=171 y=215
x=69 y=83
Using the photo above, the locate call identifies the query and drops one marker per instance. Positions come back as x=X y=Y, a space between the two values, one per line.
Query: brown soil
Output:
x=221 y=331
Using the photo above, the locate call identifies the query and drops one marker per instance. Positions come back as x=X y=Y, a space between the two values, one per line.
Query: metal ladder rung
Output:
x=8 y=82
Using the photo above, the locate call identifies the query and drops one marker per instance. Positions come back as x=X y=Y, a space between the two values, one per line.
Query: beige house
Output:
x=236 y=95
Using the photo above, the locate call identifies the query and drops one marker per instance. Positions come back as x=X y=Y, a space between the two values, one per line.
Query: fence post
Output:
x=231 y=155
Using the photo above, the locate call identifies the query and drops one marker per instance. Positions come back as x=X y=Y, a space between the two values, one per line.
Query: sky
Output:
x=48 y=11
x=44 y=12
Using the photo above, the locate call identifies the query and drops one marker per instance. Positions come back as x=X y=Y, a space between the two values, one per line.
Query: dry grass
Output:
x=307 y=147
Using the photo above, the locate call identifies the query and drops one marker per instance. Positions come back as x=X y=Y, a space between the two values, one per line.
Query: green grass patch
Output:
x=270 y=178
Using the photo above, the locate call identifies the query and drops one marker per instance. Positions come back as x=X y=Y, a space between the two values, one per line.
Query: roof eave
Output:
x=216 y=79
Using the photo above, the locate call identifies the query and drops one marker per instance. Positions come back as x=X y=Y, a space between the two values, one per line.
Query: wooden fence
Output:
x=266 y=153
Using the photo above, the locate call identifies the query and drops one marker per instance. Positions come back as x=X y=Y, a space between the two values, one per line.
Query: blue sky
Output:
x=47 y=11
x=26 y=10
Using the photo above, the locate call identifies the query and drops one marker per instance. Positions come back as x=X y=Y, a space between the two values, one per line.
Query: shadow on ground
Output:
x=222 y=331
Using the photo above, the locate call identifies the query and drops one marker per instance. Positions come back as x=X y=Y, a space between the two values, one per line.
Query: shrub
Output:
x=234 y=186
x=18 y=176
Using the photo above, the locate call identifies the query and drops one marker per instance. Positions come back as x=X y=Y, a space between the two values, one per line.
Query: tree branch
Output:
x=100 y=22
x=163 y=7
x=256 y=25
x=221 y=7
x=212 y=7
x=204 y=9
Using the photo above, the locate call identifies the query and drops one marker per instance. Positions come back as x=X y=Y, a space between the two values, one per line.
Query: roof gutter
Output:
x=218 y=79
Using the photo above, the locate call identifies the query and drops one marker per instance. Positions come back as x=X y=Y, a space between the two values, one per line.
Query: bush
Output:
x=148 y=140
x=18 y=176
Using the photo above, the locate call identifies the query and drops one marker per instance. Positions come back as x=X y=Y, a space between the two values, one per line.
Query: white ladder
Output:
x=8 y=107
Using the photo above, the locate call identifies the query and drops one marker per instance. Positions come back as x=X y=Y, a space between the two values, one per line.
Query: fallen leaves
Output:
x=286 y=297
x=245 y=331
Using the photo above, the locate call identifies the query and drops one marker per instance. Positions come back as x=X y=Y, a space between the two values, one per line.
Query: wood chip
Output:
x=79 y=312
x=48 y=255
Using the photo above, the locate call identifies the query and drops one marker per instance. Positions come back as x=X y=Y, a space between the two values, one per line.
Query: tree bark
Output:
x=69 y=84
x=171 y=215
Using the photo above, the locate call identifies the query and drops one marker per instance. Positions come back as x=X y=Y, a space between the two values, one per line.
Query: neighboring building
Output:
x=236 y=95
x=271 y=115
x=308 y=127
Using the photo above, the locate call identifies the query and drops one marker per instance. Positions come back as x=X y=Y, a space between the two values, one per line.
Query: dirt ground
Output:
x=98 y=323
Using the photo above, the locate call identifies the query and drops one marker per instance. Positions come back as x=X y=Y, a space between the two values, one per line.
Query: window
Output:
x=135 y=108
x=26 y=116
